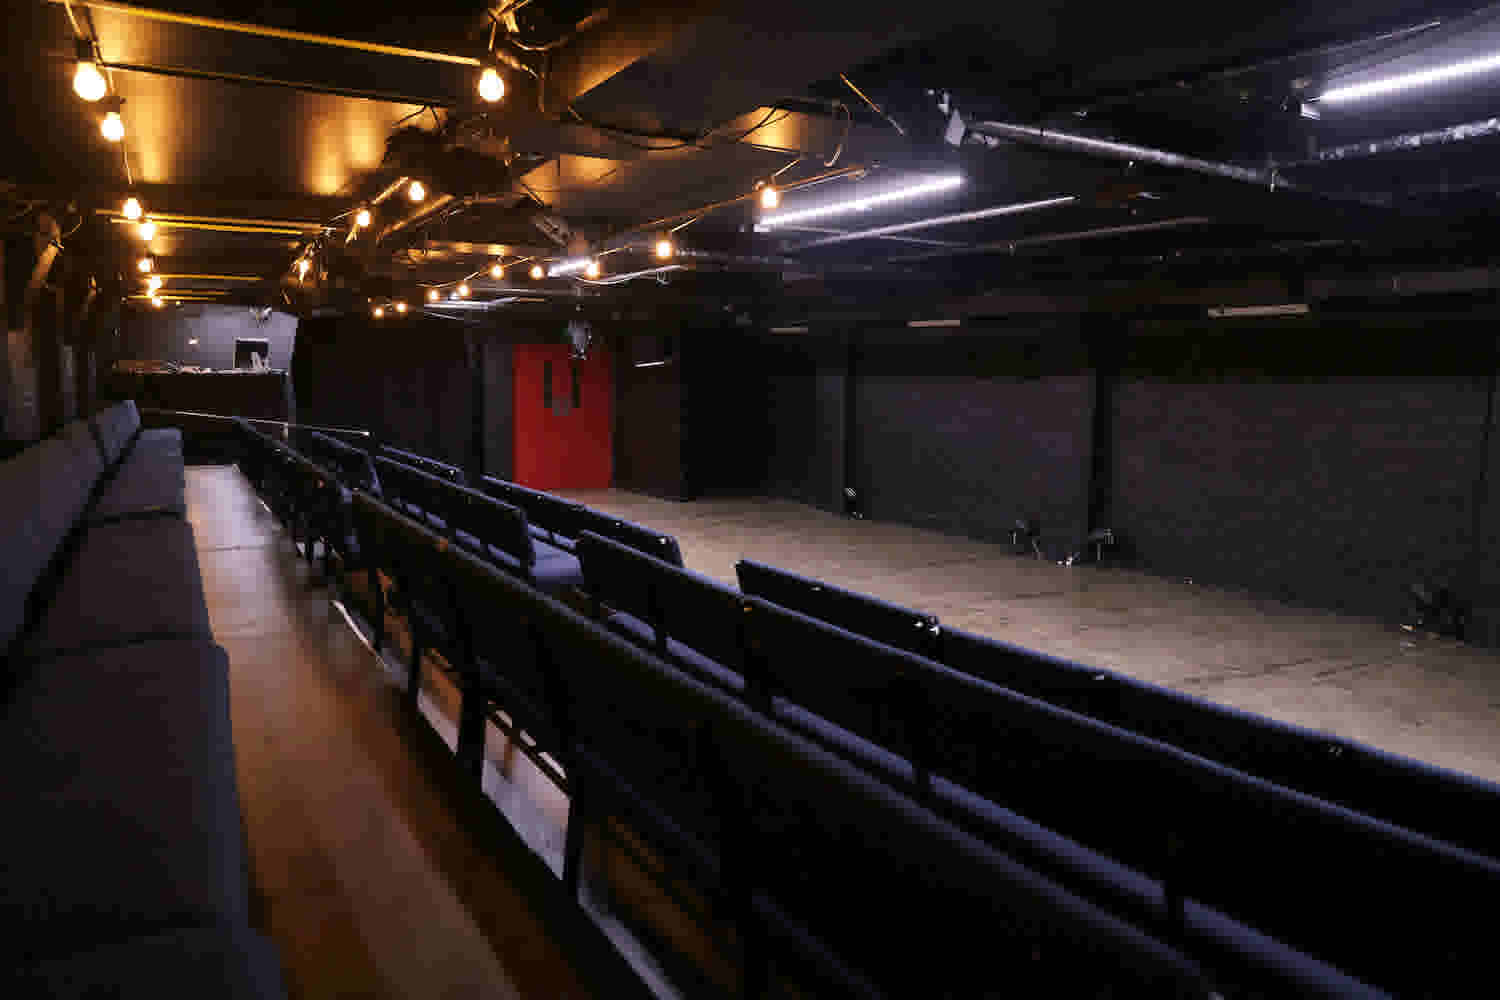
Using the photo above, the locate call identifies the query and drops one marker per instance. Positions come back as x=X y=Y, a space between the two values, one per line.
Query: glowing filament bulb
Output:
x=113 y=127
x=362 y=218
x=496 y=271
x=463 y=290
x=592 y=270
x=416 y=191
x=537 y=274
x=379 y=312
x=491 y=85
x=769 y=196
x=401 y=308
x=432 y=295
x=144 y=265
x=664 y=248
x=131 y=209
x=153 y=282
x=146 y=230
x=157 y=302
x=88 y=82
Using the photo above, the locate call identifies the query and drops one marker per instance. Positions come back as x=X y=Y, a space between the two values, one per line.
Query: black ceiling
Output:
x=252 y=146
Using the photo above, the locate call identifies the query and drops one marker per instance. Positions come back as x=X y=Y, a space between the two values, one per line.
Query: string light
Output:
x=496 y=271
x=463 y=290
x=362 y=218
x=131 y=209
x=664 y=249
x=112 y=127
x=432 y=295
x=491 y=85
x=153 y=282
x=378 y=312
x=146 y=230
x=769 y=197
x=401 y=308
x=88 y=82
x=416 y=191
x=156 y=301
x=144 y=265
x=537 y=274
x=592 y=269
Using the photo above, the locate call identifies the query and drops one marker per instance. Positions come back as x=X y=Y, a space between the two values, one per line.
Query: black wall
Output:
x=1332 y=460
x=649 y=414
x=167 y=335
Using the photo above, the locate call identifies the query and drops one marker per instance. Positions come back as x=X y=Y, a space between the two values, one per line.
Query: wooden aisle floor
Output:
x=369 y=878
x=1433 y=699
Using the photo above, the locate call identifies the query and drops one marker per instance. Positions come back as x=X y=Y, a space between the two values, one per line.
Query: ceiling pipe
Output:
x=1010 y=246
x=1466 y=132
x=1125 y=152
x=434 y=205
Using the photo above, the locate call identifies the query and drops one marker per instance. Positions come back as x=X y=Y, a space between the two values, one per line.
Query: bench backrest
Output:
x=352 y=464
x=431 y=466
x=637 y=536
x=861 y=614
x=560 y=518
x=115 y=427
x=492 y=522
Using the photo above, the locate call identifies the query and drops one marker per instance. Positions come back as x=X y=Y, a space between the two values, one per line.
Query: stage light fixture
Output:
x=537 y=273
x=88 y=82
x=769 y=197
x=432 y=295
x=496 y=271
x=934 y=186
x=362 y=218
x=146 y=230
x=416 y=191
x=131 y=209
x=491 y=85
x=144 y=265
x=1408 y=81
x=664 y=248
x=112 y=127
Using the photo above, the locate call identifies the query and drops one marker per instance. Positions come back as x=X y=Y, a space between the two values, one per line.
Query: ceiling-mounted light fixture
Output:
x=88 y=82
x=1408 y=81
x=362 y=218
x=132 y=209
x=491 y=85
x=145 y=264
x=416 y=191
x=146 y=230
x=664 y=248
x=432 y=295
x=401 y=308
x=934 y=186
x=769 y=197
x=378 y=312
x=497 y=271
x=537 y=273
x=112 y=127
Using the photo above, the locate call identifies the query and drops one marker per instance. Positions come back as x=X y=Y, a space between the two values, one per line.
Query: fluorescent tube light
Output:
x=946 y=183
x=1418 y=78
x=1284 y=309
x=649 y=364
x=924 y=323
x=788 y=329
x=574 y=266
x=942 y=220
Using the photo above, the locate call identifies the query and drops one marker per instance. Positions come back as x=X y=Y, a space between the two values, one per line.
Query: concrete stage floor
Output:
x=1433 y=699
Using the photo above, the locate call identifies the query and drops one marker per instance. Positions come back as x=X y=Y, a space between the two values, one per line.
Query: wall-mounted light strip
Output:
x=934 y=186
x=1409 y=81
x=941 y=220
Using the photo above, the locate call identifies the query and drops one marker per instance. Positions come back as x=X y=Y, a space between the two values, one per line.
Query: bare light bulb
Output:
x=146 y=230
x=153 y=282
x=491 y=85
x=537 y=274
x=112 y=127
x=379 y=312
x=463 y=290
x=144 y=265
x=401 y=308
x=416 y=191
x=496 y=271
x=156 y=301
x=88 y=82
x=432 y=295
x=664 y=248
x=362 y=218
x=131 y=209
x=592 y=270
x=769 y=196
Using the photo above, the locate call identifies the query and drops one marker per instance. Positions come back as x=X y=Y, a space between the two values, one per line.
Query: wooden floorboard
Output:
x=369 y=878
x=1430 y=698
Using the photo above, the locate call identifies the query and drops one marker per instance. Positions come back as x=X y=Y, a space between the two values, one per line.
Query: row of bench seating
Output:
x=122 y=863
x=1249 y=843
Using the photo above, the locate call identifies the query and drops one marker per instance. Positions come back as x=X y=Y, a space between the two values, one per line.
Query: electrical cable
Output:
x=848 y=123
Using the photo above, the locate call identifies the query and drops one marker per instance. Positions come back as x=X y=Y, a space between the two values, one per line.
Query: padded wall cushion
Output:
x=119 y=793
x=115 y=427
x=129 y=580
x=42 y=492
x=227 y=963
x=149 y=481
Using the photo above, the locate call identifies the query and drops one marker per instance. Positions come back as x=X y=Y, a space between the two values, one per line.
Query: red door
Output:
x=563 y=418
